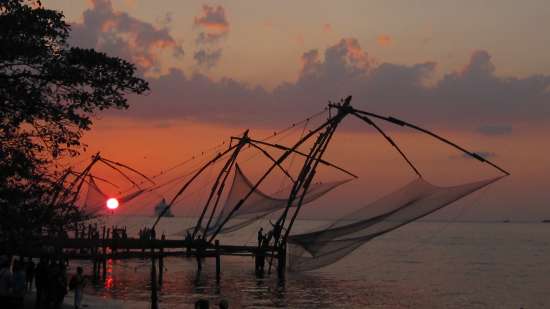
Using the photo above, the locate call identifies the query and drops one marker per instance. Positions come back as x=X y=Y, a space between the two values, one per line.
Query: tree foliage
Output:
x=49 y=93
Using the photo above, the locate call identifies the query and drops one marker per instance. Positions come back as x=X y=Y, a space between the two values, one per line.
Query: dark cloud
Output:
x=120 y=34
x=207 y=58
x=214 y=26
x=196 y=97
x=212 y=18
x=467 y=98
x=495 y=129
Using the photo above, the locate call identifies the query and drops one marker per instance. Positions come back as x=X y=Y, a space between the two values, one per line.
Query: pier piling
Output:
x=218 y=261
x=161 y=265
x=154 y=295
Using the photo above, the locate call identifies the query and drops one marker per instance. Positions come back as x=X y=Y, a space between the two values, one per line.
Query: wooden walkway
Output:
x=100 y=250
x=137 y=248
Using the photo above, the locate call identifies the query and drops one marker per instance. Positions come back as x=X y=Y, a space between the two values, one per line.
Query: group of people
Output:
x=49 y=278
x=119 y=232
x=263 y=243
x=89 y=232
x=147 y=233
x=15 y=280
x=264 y=240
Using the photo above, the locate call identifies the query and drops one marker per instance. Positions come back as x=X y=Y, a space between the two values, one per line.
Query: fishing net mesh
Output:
x=95 y=199
x=259 y=204
x=417 y=199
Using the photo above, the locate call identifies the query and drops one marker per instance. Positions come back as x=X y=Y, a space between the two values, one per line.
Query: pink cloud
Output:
x=122 y=35
x=212 y=18
x=465 y=99
x=327 y=28
x=214 y=27
x=384 y=40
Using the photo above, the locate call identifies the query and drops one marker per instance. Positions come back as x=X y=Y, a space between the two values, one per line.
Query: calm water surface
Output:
x=422 y=265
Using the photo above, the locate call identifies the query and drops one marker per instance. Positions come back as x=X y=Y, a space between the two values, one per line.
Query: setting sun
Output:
x=112 y=203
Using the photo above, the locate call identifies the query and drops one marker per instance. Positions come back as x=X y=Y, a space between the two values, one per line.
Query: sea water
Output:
x=421 y=265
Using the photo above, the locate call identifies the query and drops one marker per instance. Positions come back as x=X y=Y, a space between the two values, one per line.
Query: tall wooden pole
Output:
x=154 y=293
x=264 y=176
x=218 y=186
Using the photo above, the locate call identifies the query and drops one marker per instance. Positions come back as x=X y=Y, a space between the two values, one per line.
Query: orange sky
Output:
x=479 y=76
x=522 y=196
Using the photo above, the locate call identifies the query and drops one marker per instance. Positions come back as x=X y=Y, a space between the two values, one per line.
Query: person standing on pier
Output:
x=6 y=280
x=199 y=251
x=30 y=274
x=42 y=283
x=19 y=283
x=260 y=237
x=77 y=284
x=188 y=240
x=59 y=282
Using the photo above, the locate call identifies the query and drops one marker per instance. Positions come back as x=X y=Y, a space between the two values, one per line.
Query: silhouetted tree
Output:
x=48 y=93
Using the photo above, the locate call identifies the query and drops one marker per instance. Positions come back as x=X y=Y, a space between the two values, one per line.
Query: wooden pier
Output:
x=102 y=249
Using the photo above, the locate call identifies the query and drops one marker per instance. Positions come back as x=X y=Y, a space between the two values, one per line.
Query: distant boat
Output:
x=160 y=208
x=506 y=221
x=546 y=221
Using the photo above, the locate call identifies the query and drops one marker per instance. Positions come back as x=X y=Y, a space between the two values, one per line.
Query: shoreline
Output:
x=89 y=301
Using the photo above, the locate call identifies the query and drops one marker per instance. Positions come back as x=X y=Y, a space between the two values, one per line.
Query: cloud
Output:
x=212 y=18
x=477 y=91
x=207 y=59
x=122 y=35
x=495 y=129
x=214 y=26
x=470 y=97
x=327 y=28
x=384 y=40
x=346 y=59
x=176 y=95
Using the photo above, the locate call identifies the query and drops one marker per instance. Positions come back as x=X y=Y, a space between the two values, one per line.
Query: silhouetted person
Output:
x=276 y=232
x=77 y=284
x=30 y=274
x=199 y=251
x=19 y=283
x=202 y=304
x=60 y=285
x=42 y=283
x=260 y=237
x=188 y=240
x=224 y=304
x=6 y=280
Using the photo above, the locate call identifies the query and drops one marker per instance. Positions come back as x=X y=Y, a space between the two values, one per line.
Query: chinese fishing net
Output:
x=417 y=199
x=259 y=204
x=95 y=199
